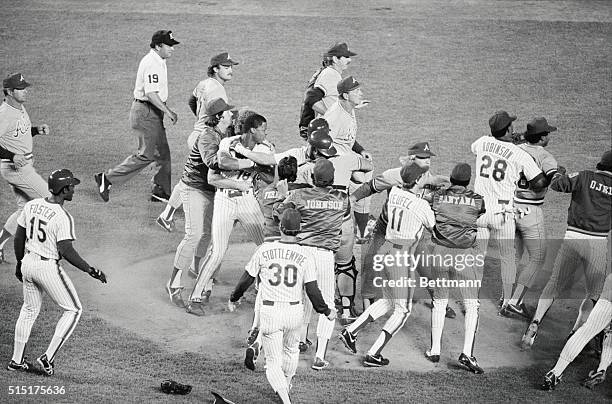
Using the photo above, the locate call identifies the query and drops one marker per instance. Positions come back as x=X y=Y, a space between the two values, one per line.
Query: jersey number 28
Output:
x=499 y=168
x=286 y=275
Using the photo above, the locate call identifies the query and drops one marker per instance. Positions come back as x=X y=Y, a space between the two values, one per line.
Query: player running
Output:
x=406 y=216
x=284 y=268
x=44 y=236
x=584 y=245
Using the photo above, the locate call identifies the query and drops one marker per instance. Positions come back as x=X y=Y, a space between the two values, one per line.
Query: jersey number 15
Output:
x=40 y=230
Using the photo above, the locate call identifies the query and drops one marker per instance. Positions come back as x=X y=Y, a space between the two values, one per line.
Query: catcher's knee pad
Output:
x=346 y=278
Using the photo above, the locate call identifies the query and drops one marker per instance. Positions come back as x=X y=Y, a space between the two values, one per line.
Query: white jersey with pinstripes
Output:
x=46 y=224
x=226 y=148
x=498 y=168
x=407 y=216
x=283 y=269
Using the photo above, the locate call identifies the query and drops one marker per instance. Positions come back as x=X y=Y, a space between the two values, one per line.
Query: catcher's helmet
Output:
x=320 y=140
x=316 y=124
x=59 y=179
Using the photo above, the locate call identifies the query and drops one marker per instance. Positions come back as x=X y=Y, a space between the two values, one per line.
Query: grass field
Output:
x=434 y=71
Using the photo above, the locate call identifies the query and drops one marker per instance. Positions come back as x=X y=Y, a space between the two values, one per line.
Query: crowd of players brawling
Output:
x=308 y=206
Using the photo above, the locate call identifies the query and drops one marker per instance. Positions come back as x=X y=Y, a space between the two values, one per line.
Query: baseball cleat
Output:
x=305 y=345
x=158 y=195
x=252 y=352
x=470 y=363
x=432 y=358
x=20 y=367
x=349 y=340
x=595 y=378
x=206 y=296
x=103 y=186
x=529 y=336
x=450 y=313
x=320 y=364
x=195 y=307
x=504 y=312
x=47 y=366
x=519 y=309
x=375 y=361
x=175 y=296
x=550 y=381
x=167 y=225
x=253 y=334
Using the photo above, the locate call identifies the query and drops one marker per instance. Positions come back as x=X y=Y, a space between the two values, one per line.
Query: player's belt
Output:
x=271 y=303
x=150 y=104
x=234 y=193
x=28 y=156
x=35 y=255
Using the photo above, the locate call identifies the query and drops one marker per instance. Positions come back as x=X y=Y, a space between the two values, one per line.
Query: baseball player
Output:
x=16 y=164
x=344 y=167
x=234 y=201
x=147 y=120
x=420 y=154
x=322 y=209
x=530 y=232
x=584 y=243
x=220 y=71
x=285 y=268
x=321 y=91
x=343 y=130
x=406 y=215
x=499 y=164
x=598 y=321
x=198 y=193
x=44 y=236
x=454 y=235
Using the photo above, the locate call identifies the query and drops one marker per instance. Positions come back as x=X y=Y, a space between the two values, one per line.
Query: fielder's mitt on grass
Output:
x=173 y=387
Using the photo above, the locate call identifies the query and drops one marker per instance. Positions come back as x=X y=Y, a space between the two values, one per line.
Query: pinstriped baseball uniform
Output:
x=16 y=136
x=407 y=216
x=530 y=232
x=584 y=245
x=230 y=206
x=321 y=210
x=46 y=224
x=598 y=320
x=498 y=168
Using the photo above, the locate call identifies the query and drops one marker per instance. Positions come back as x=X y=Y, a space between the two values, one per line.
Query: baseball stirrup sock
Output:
x=321 y=347
x=606 y=350
x=471 y=326
x=438 y=313
x=382 y=340
x=18 y=350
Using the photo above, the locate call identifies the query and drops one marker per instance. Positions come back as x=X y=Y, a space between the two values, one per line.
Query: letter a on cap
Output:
x=426 y=146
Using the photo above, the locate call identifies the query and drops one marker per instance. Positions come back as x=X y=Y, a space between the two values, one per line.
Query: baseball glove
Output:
x=173 y=387
x=97 y=274
x=518 y=138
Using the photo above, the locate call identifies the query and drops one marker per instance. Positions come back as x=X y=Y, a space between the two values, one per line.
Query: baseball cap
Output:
x=420 y=149
x=539 y=125
x=606 y=161
x=500 y=120
x=317 y=124
x=164 y=37
x=15 y=81
x=340 y=49
x=411 y=172
x=323 y=172
x=347 y=84
x=222 y=59
x=290 y=220
x=462 y=172
x=217 y=105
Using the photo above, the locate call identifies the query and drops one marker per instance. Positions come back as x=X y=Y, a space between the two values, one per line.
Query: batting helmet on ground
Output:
x=320 y=140
x=59 y=179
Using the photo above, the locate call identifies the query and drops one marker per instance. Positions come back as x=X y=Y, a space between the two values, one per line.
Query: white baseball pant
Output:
x=45 y=275
x=230 y=206
x=324 y=262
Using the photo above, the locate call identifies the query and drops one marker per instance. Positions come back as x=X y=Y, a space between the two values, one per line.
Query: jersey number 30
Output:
x=42 y=234
x=286 y=275
x=499 y=168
